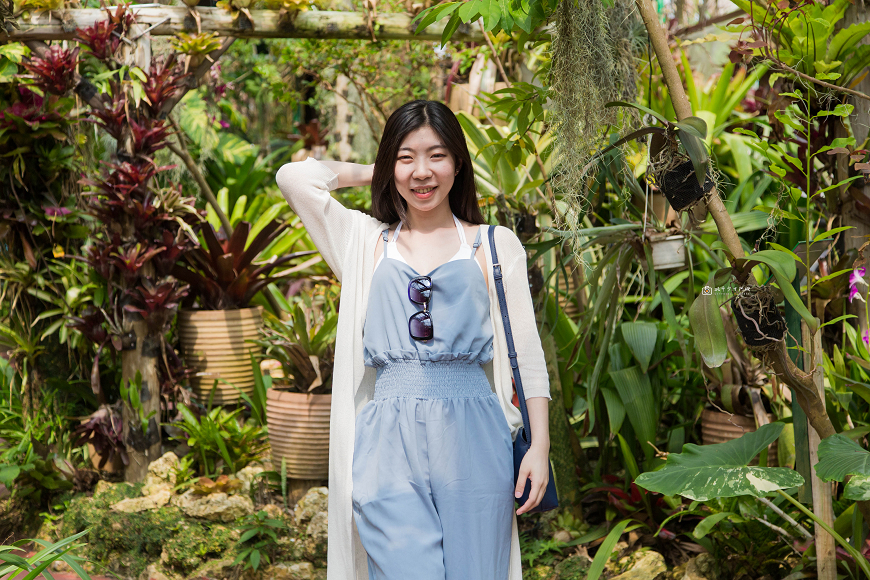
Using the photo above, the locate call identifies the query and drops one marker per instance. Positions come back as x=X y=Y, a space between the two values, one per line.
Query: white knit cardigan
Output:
x=347 y=240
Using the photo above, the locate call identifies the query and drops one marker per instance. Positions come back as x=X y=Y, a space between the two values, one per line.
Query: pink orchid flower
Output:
x=857 y=276
x=865 y=338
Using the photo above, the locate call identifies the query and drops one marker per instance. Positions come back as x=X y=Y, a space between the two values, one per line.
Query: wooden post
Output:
x=826 y=557
x=857 y=190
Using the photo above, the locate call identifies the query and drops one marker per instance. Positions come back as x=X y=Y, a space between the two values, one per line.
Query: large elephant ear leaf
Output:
x=840 y=457
x=702 y=472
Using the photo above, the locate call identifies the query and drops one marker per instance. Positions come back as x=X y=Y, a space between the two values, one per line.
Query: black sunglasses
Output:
x=420 y=323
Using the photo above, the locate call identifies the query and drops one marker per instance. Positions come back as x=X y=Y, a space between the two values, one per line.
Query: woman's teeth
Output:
x=425 y=190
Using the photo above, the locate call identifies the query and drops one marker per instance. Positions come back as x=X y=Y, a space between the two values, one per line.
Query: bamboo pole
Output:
x=168 y=21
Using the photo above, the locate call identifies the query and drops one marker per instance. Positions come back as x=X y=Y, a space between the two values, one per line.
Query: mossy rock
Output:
x=194 y=543
x=127 y=542
x=573 y=568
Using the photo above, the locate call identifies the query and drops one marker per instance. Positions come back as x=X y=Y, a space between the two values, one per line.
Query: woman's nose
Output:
x=421 y=171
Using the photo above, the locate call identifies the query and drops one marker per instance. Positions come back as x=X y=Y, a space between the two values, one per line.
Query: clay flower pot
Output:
x=299 y=432
x=216 y=344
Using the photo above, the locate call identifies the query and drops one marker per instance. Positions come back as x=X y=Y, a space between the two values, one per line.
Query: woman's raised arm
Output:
x=306 y=186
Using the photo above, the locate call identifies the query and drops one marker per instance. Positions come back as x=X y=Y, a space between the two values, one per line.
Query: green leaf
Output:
x=841 y=110
x=831 y=276
x=704 y=526
x=708 y=328
x=449 y=28
x=831 y=233
x=605 y=549
x=702 y=472
x=640 y=337
x=858 y=488
x=630 y=463
x=637 y=397
x=615 y=408
x=697 y=152
x=839 y=456
x=838 y=319
x=658 y=116
x=694 y=126
x=779 y=248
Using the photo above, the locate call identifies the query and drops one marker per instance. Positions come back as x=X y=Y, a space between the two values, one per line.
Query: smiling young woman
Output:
x=421 y=474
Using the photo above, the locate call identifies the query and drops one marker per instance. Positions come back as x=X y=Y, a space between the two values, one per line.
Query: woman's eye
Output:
x=408 y=157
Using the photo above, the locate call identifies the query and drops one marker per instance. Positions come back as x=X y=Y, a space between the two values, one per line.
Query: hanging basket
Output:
x=760 y=322
x=681 y=187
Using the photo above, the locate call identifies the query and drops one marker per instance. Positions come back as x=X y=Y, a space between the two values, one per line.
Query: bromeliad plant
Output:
x=304 y=345
x=221 y=441
x=223 y=274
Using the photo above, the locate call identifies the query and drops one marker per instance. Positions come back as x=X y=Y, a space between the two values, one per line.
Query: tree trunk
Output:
x=143 y=446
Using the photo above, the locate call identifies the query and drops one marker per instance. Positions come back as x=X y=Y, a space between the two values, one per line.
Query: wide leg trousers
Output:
x=433 y=475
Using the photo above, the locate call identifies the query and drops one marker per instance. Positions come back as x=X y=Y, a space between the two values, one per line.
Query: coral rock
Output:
x=216 y=507
x=161 y=473
x=290 y=571
x=313 y=502
x=642 y=566
x=157 y=499
x=247 y=475
x=152 y=573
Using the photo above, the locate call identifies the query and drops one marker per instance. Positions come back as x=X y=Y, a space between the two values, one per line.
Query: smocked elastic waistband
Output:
x=431 y=380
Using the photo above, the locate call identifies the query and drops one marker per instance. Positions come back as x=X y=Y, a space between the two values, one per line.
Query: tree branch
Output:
x=182 y=153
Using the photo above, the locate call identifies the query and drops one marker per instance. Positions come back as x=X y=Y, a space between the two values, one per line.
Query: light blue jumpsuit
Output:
x=433 y=457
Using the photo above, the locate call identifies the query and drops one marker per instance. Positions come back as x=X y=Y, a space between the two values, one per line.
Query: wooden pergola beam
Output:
x=168 y=21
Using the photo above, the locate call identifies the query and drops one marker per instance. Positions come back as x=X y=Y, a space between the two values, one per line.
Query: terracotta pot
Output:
x=719 y=427
x=299 y=432
x=215 y=344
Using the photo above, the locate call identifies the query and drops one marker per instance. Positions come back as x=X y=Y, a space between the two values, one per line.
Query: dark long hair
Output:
x=387 y=205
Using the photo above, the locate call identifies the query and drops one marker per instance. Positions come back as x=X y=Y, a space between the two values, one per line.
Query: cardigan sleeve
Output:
x=306 y=186
x=524 y=327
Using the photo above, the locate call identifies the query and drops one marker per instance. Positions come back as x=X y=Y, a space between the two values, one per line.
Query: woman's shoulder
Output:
x=507 y=243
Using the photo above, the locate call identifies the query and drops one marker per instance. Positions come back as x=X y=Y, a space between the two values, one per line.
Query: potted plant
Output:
x=299 y=402
x=679 y=165
x=103 y=432
x=224 y=277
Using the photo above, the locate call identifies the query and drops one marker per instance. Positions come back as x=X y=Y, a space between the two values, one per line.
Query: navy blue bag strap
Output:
x=509 y=337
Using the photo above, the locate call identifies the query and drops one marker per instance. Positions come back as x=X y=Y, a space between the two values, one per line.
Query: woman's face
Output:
x=423 y=162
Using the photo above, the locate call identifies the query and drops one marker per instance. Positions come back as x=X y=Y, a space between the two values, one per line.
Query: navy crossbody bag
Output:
x=524 y=435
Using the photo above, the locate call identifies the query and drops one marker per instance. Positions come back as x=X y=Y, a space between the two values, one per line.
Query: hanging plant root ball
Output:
x=681 y=187
x=760 y=322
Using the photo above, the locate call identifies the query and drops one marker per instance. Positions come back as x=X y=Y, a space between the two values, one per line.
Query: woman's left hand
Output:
x=535 y=466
